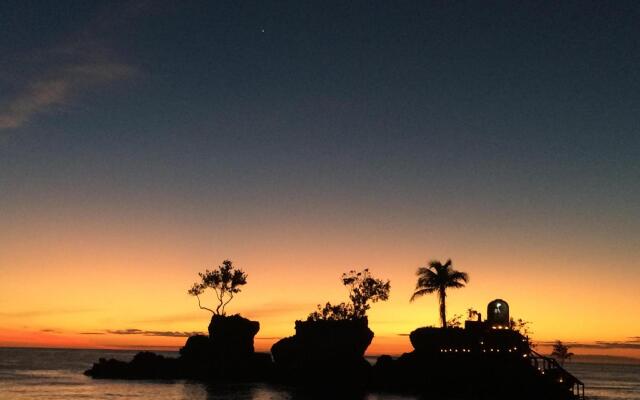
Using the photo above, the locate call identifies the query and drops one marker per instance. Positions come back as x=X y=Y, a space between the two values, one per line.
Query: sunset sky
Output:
x=142 y=142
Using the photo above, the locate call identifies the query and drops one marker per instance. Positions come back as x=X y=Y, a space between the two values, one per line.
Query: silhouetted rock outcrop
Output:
x=145 y=365
x=431 y=340
x=325 y=348
x=197 y=349
x=227 y=354
x=466 y=364
x=328 y=356
x=232 y=336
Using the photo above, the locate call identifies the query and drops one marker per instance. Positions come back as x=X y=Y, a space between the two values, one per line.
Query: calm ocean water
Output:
x=57 y=374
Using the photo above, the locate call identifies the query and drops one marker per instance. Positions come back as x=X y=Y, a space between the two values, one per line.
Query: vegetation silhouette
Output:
x=333 y=339
x=473 y=314
x=228 y=351
x=455 y=321
x=524 y=328
x=561 y=352
x=486 y=359
x=363 y=288
x=437 y=277
x=225 y=282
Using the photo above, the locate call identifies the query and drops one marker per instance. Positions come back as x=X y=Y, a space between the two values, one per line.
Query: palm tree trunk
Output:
x=443 y=313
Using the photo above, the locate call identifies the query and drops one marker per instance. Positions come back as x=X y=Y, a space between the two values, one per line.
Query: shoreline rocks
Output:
x=227 y=354
x=328 y=357
x=325 y=347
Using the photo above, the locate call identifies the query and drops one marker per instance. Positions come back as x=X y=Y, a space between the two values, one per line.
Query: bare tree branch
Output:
x=201 y=307
x=227 y=302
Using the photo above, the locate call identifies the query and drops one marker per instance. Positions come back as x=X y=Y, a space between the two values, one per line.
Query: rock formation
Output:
x=325 y=348
x=467 y=364
x=328 y=356
x=226 y=354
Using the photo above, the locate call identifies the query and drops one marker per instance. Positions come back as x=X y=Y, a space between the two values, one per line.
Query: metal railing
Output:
x=550 y=367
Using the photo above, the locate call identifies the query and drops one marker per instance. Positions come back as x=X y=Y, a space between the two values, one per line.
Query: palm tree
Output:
x=561 y=352
x=437 y=277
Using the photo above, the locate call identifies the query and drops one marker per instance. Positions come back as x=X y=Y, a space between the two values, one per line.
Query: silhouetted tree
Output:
x=437 y=277
x=561 y=352
x=332 y=313
x=522 y=327
x=473 y=314
x=225 y=282
x=363 y=288
x=455 y=321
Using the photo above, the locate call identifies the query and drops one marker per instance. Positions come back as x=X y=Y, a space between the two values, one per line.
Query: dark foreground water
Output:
x=57 y=374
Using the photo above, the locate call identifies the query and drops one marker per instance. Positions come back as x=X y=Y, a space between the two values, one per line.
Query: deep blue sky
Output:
x=460 y=109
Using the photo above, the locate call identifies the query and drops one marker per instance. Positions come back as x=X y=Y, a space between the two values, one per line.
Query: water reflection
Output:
x=244 y=391
x=261 y=391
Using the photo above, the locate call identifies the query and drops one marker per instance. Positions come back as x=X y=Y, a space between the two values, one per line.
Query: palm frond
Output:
x=421 y=292
x=425 y=282
x=459 y=276
x=425 y=271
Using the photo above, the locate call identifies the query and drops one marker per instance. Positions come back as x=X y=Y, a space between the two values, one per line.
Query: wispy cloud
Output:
x=121 y=346
x=42 y=313
x=49 y=79
x=633 y=344
x=132 y=331
x=273 y=309
x=609 y=345
x=57 y=88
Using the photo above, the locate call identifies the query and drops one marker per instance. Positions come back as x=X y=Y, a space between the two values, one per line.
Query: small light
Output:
x=524 y=355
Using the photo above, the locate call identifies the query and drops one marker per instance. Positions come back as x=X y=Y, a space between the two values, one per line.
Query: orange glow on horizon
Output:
x=65 y=276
